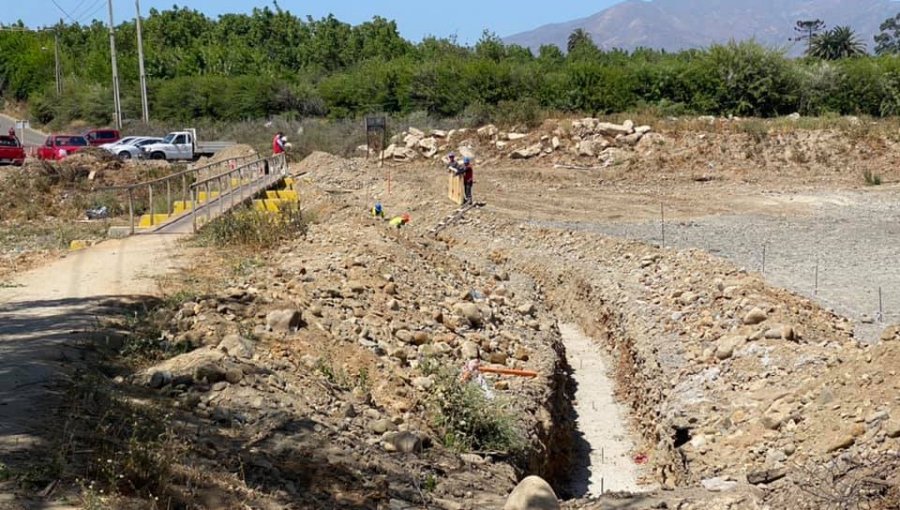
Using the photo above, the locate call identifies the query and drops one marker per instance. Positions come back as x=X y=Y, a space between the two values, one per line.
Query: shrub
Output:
x=468 y=420
x=871 y=179
x=526 y=111
x=253 y=229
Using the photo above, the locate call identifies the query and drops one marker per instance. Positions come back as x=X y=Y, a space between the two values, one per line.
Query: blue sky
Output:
x=465 y=18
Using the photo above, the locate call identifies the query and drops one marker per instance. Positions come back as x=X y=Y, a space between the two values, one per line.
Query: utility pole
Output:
x=140 y=40
x=58 y=71
x=115 y=68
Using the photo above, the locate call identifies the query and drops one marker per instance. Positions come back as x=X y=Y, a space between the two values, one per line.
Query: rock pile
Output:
x=582 y=138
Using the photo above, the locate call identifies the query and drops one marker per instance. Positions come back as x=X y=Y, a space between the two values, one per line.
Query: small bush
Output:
x=871 y=179
x=525 y=111
x=468 y=420
x=254 y=229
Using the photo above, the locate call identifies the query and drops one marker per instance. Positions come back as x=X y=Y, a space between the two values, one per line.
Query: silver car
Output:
x=130 y=147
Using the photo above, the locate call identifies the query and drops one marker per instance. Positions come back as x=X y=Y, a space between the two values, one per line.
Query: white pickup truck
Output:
x=182 y=146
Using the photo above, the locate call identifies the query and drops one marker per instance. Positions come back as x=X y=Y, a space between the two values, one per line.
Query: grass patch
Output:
x=132 y=445
x=468 y=420
x=341 y=378
x=872 y=179
x=254 y=229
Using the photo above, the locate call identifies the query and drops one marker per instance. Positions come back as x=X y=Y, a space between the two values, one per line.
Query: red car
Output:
x=58 y=147
x=97 y=137
x=11 y=151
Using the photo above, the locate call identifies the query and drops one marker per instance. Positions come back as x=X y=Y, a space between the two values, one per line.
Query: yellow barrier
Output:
x=289 y=195
x=289 y=182
x=201 y=196
x=78 y=245
x=157 y=220
x=456 y=189
x=182 y=206
x=268 y=205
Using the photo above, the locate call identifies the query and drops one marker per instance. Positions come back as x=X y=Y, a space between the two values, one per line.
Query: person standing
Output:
x=468 y=179
x=453 y=164
x=278 y=143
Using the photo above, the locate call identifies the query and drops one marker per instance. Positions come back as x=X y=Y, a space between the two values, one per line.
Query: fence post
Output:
x=131 y=209
x=184 y=190
x=194 y=208
x=152 y=209
x=208 y=205
x=169 y=210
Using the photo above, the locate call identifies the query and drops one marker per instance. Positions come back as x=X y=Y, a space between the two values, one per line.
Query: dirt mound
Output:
x=235 y=151
x=332 y=170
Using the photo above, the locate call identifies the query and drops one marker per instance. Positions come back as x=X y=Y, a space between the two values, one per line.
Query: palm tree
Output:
x=579 y=38
x=837 y=43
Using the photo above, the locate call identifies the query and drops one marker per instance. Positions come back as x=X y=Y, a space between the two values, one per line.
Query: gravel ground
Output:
x=851 y=236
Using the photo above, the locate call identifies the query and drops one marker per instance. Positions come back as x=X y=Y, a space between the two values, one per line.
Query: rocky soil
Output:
x=310 y=377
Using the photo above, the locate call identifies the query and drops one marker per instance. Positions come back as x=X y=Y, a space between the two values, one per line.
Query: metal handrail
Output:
x=184 y=186
x=272 y=169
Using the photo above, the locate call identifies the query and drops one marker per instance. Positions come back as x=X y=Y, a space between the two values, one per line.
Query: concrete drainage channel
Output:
x=602 y=447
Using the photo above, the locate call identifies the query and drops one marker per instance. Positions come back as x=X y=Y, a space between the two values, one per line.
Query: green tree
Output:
x=887 y=41
x=807 y=30
x=837 y=43
x=579 y=39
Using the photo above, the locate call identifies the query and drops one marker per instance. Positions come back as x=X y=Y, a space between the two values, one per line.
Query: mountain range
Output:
x=674 y=25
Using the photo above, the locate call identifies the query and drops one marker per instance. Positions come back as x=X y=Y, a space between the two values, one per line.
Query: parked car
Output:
x=58 y=147
x=126 y=140
x=11 y=151
x=130 y=147
x=98 y=137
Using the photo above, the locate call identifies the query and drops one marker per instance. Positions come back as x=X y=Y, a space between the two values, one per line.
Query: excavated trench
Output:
x=609 y=433
x=604 y=451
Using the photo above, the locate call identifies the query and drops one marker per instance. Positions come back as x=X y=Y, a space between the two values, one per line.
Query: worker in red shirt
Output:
x=279 y=143
x=468 y=178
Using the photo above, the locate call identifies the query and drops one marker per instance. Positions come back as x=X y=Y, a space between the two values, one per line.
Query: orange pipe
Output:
x=508 y=371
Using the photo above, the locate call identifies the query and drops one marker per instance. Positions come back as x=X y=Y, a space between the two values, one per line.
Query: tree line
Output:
x=271 y=62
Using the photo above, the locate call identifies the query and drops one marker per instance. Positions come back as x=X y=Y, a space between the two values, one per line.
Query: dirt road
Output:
x=42 y=313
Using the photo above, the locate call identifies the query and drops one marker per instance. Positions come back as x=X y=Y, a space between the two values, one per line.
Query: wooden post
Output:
x=169 y=197
x=131 y=209
x=194 y=208
x=150 y=187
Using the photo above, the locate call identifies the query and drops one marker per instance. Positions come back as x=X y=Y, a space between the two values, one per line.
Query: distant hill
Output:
x=680 y=24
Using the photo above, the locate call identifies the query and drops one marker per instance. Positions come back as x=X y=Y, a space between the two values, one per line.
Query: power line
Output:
x=63 y=11
x=90 y=17
x=90 y=11
x=78 y=6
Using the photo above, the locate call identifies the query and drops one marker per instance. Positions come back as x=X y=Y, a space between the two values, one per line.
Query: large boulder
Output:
x=400 y=153
x=528 y=152
x=470 y=312
x=489 y=131
x=237 y=346
x=283 y=321
x=411 y=141
x=428 y=147
x=532 y=493
x=613 y=130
